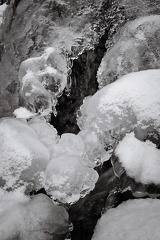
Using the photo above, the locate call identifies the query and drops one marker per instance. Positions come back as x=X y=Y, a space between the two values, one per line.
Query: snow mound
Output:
x=20 y=216
x=66 y=179
x=132 y=220
x=42 y=80
x=132 y=103
x=141 y=160
x=23 y=155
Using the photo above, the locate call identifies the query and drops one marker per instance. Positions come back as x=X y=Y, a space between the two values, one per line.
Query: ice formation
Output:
x=45 y=132
x=66 y=179
x=132 y=220
x=2 y=10
x=69 y=144
x=42 y=80
x=23 y=155
x=24 y=218
x=33 y=155
x=141 y=160
x=132 y=103
x=93 y=149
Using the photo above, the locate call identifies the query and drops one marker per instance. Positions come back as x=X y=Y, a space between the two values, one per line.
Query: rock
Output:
x=136 y=48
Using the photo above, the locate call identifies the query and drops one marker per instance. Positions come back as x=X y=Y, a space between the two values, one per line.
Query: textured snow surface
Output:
x=130 y=103
x=132 y=220
x=24 y=218
x=141 y=160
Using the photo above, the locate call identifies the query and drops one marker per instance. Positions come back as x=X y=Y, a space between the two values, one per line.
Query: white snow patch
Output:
x=22 y=112
x=141 y=160
x=132 y=220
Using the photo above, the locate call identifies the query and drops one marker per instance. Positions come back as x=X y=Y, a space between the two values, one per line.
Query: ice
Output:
x=130 y=103
x=94 y=150
x=24 y=218
x=2 y=10
x=35 y=95
x=69 y=144
x=23 y=155
x=45 y=132
x=42 y=80
x=141 y=160
x=132 y=220
x=66 y=178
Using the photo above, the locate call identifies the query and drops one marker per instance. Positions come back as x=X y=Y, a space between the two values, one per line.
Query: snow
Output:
x=23 y=156
x=22 y=112
x=130 y=103
x=20 y=215
x=66 y=179
x=131 y=220
x=2 y=10
x=141 y=160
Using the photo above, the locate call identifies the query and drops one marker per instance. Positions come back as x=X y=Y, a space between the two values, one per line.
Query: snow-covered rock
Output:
x=141 y=160
x=132 y=220
x=136 y=48
x=132 y=103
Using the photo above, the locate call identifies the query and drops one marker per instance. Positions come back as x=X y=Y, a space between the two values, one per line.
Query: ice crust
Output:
x=131 y=220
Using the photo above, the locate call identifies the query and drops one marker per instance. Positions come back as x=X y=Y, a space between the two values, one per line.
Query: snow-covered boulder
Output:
x=132 y=220
x=132 y=103
x=136 y=48
x=23 y=218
